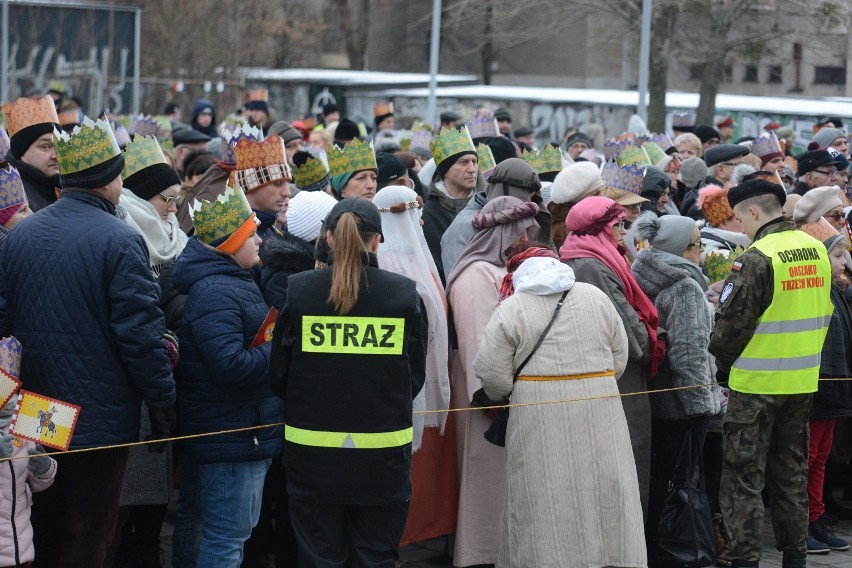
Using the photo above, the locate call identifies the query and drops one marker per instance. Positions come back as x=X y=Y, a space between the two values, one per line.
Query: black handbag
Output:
x=496 y=433
x=685 y=529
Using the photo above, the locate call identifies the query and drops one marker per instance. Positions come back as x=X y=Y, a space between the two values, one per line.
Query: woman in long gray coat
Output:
x=595 y=251
x=572 y=497
x=669 y=274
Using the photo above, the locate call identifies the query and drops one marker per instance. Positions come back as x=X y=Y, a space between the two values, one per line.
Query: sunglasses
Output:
x=835 y=216
x=169 y=199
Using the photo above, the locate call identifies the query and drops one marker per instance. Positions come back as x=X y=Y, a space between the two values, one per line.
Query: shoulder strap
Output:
x=543 y=335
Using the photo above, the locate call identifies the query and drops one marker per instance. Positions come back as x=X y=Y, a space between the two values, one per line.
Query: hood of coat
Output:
x=654 y=274
x=198 y=261
x=287 y=253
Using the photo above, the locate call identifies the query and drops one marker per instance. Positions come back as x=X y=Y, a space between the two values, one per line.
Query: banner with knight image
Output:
x=44 y=420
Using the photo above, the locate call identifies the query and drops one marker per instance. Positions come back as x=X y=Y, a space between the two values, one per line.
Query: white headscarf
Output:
x=404 y=251
x=164 y=239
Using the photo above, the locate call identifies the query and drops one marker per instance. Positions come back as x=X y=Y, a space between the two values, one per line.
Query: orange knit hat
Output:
x=713 y=201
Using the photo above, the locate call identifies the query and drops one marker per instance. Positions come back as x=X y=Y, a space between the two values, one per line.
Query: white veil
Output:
x=404 y=251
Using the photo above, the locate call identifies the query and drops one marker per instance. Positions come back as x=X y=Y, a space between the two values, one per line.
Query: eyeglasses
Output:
x=829 y=173
x=731 y=164
x=169 y=199
x=696 y=244
x=835 y=216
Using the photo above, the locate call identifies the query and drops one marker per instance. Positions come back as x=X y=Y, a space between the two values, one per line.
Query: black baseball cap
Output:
x=390 y=167
x=370 y=220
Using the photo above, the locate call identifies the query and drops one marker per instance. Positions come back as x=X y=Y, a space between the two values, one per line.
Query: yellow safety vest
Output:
x=783 y=356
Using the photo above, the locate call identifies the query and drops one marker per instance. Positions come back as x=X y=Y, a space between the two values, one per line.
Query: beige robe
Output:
x=482 y=466
x=573 y=495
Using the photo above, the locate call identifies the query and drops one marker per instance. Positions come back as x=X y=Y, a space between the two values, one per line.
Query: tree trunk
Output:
x=487 y=55
x=356 y=29
x=662 y=28
x=714 y=68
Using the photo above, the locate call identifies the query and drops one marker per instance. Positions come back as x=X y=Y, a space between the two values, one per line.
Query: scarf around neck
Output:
x=164 y=239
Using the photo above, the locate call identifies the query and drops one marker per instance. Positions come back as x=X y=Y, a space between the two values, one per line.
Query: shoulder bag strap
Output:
x=543 y=335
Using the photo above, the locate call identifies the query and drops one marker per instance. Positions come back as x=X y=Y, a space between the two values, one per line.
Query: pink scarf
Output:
x=590 y=225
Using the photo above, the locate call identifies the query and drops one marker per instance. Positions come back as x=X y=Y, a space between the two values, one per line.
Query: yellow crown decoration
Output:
x=313 y=171
x=485 y=158
x=354 y=157
x=217 y=219
x=633 y=155
x=546 y=160
x=655 y=153
x=532 y=158
x=27 y=112
x=141 y=153
x=451 y=141
x=89 y=144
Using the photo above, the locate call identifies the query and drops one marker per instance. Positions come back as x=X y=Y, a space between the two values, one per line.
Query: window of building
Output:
x=830 y=76
x=776 y=74
x=750 y=74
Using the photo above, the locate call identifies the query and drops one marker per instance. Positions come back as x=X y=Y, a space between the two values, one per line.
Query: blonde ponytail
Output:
x=346 y=268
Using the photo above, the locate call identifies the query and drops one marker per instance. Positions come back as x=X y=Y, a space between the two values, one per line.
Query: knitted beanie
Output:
x=306 y=214
x=692 y=171
x=669 y=233
x=26 y=137
x=148 y=182
x=828 y=135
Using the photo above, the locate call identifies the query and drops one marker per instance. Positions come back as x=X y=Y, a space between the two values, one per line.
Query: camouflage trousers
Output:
x=765 y=443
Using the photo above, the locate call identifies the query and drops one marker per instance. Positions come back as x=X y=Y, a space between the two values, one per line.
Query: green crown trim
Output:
x=216 y=219
x=451 y=141
x=312 y=171
x=354 y=157
x=485 y=158
x=633 y=155
x=141 y=153
x=91 y=143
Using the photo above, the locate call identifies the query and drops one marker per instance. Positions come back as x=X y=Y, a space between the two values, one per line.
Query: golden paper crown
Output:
x=11 y=188
x=249 y=153
x=451 y=141
x=231 y=137
x=820 y=230
x=382 y=109
x=257 y=95
x=314 y=170
x=718 y=264
x=655 y=154
x=628 y=178
x=633 y=155
x=89 y=144
x=27 y=112
x=71 y=116
x=141 y=153
x=546 y=160
x=354 y=157
x=217 y=219
x=485 y=158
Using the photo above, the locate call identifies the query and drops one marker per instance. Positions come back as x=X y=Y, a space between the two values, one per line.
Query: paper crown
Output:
x=483 y=126
x=766 y=144
x=231 y=137
x=257 y=95
x=122 y=136
x=260 y=162
x=141 y=153
x=11 y=188
x=451 y=141
x=614 y=147
x=10 y=356
x=654 y=152
x=628 y=178
x=27 y=112
x=821 y=230
x=633 y=155
x=71 y=116
x=4 y=144
x=661 y=139
x=546 y=160
x=354 y=157
x=382 y=109
x=89 y=144
x=683 y=119
x=485 y=158
x=421 y=139
x=217 y=219
x=718 y=265
x=144 y=126
x=313 y=171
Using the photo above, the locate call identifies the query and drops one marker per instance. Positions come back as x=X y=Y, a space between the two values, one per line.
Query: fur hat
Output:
x=740 y=173
x=575 y=182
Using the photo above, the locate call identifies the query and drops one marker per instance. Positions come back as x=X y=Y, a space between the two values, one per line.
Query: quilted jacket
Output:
x=76 y=290
x=223 y=384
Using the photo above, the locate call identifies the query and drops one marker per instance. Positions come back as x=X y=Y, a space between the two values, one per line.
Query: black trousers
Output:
x=347 y=536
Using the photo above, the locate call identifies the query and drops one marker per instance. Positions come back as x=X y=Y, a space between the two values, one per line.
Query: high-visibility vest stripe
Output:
x=355 y=440
x=788 y=364
x=783 y=355
x=793 y=326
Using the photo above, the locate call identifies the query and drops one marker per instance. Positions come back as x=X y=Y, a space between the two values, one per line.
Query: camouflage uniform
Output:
x=765 y=438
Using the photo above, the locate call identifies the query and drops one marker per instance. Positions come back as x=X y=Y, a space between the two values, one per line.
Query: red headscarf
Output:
x=508 y=287
x=590 y=225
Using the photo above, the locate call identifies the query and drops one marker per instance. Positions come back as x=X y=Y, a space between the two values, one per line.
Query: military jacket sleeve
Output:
x=746 y=295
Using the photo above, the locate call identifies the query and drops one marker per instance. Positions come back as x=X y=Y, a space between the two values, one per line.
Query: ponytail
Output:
x=346 y=268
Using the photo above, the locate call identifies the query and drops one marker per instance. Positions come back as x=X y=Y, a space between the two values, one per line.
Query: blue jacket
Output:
x=222 y=383
x=76 y=290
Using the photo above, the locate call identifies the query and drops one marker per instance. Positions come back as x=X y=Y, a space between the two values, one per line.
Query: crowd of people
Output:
x=644 y=302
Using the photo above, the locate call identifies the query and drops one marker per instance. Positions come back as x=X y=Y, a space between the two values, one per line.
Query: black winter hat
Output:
x=390 y=168
x=501 y=147
x=753 y=188
x=148 y=182
x=809 y=161
x=346 y=130
x=26 y=137
x=706 y=133
x=95 y=177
